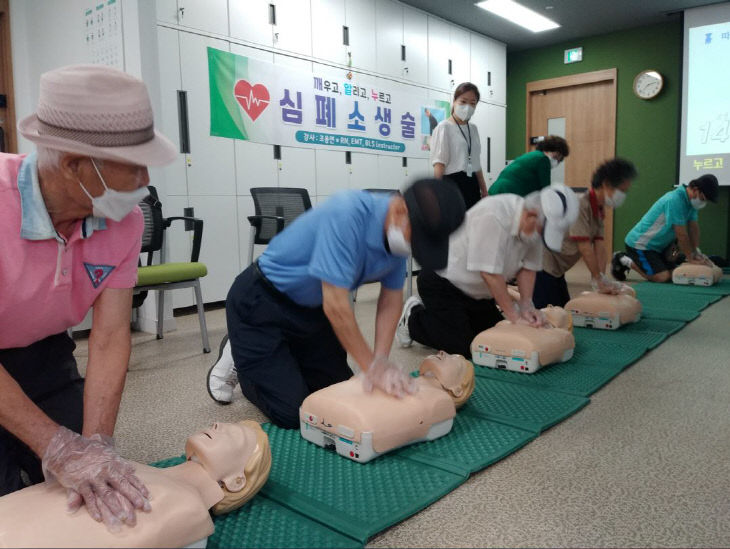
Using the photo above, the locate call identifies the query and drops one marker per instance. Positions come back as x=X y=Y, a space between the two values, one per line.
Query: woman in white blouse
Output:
x=455 y=146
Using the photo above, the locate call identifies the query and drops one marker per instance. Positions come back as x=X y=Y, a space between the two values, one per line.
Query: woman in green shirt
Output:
x=531 y=171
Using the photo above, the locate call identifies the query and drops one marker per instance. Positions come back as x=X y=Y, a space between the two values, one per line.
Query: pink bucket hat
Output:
x=97 y=111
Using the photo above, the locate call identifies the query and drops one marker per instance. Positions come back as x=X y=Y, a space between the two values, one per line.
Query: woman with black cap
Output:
x=455 y=146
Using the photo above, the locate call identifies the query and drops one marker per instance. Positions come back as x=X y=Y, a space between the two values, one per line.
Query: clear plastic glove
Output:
x=95 y=474
x=626 y=290
x=604 y=285
x=699 y=258
x=389 y=377
x=531 y=316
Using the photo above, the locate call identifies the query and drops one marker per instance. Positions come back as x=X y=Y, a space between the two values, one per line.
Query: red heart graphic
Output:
x=254 y=99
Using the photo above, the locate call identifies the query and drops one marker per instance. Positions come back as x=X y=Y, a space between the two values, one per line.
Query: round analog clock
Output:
x=648 y=84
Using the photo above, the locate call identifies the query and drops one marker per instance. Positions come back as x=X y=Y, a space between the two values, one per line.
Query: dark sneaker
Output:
x=618 y=269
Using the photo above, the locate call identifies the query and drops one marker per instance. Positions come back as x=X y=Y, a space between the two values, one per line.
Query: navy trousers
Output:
x=282 y=351
x=47 y=373
x=550 y=290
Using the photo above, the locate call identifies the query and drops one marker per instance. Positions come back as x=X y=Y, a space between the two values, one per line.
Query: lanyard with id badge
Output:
x=469 y=170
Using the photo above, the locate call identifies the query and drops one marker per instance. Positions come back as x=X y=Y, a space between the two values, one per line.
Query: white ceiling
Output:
x=578 y=18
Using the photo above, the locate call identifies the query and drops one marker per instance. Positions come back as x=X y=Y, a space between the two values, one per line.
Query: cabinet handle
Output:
x=489 y=78
x=272 y=14
x=489 y=155
x=182 y=121
x=189 y=212
x=348 y=157
x=345 y=35
x=402 y=52
x=450 y=67
x=405 y=161
x=277 y=152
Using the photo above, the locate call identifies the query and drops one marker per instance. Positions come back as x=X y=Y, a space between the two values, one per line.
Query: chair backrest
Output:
x=154 y=227
x=285 y=202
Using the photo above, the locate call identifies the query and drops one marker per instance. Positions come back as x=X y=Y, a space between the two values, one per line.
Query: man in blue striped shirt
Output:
x=673 y=217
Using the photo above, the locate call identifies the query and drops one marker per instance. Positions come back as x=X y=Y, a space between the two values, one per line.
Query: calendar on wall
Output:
x=103 y=33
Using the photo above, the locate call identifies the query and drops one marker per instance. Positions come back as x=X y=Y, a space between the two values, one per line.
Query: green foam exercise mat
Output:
x=665 y=296
x=473 y=444
x=621 y=337
x=721 y=288
x=664 y=313
x=591 y=367
x=532 y=408
x=356 y=499
x=264 y=523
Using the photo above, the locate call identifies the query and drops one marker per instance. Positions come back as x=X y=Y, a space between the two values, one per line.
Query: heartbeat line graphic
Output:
x=252 y=100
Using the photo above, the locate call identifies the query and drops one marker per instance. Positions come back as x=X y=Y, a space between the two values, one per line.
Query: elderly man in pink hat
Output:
x=71 y=234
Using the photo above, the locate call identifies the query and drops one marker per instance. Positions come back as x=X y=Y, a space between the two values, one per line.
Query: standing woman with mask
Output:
x=531 y=171
x=455 y=147
x=609 y=185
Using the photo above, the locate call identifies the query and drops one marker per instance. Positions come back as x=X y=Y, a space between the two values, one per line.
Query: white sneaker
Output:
x=222 y=378
x=401 y=332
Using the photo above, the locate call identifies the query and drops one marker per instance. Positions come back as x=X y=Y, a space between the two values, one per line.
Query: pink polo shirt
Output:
x=48 y=284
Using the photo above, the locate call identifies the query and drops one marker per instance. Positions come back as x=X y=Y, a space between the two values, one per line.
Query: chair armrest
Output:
x=255 y=221
x=197 y=233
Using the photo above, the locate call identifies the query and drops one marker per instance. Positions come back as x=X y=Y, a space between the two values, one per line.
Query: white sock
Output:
x=626 y=261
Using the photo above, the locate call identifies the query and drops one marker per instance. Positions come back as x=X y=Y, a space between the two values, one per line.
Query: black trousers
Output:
x=550 y=290
x=282 y=351
x=468 y=186
x=449 y=319
x=47 y=373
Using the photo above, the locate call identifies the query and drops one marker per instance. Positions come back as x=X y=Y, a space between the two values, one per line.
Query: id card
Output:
x=469 y=169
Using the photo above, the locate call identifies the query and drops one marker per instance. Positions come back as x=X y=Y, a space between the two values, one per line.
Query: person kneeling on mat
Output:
x=609 y=185
x=290 y=321
x=674 y=216
x=501 y=238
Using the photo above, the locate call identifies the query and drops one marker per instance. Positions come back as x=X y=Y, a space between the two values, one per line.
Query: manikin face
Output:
x=223 y=449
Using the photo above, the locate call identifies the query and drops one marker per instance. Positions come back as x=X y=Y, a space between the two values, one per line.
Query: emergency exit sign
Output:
x=573 y=55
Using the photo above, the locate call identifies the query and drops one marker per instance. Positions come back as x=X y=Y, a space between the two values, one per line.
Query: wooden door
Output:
x=584 y=107
x=8 y=142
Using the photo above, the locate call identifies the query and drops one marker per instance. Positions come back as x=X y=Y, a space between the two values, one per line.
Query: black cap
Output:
x=435 y=209
x=708 y=185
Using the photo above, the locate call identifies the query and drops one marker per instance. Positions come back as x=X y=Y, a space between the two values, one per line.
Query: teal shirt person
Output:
x=525 y=174
x=655 y=231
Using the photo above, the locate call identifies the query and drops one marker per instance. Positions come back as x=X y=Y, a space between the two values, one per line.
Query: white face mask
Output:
x=553 y=162
x=397 y=242
x=616 y=199
x=698 y=203
x=114 y=205
x=463 y=111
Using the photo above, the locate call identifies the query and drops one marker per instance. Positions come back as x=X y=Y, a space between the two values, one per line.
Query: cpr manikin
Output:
x=227 y=464
x=605 y=311
x=523 y=348
x=362 y=425
x=697 y=275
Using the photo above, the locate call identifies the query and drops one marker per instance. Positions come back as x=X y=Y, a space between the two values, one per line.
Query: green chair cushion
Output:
x=169 y=272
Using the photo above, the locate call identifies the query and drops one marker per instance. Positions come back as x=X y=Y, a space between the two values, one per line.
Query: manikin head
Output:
x=236 y=455
x=421 y=220
x=612 y=180
x=453 y=372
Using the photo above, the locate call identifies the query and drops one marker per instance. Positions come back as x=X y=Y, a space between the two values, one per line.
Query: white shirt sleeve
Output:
x=439 y=146
x=488 y=241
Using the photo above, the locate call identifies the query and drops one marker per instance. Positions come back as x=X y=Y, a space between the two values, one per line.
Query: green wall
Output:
x=647 y=132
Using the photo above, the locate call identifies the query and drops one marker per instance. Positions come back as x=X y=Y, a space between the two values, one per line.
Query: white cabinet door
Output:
x=297 y=169
x=286 y=60
x=481 y=120
x=178 y=244
x=250 y=21
x=206 y=15
x=360 y=20
x=497 y=117
x=255 y=166
x=480 y=64
x=459 y=54
x=166 y=11
x=293 y=29
x=170 y=82
x=219 y=250
x=415 y=38
x=332 y=172
x=498 y=70
x=210 y=164
x=439 y=47
x=418 y=168
x=328 y=20
x=391 y=173
x=389 y=37
x=364 y=171
x=253 y=53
